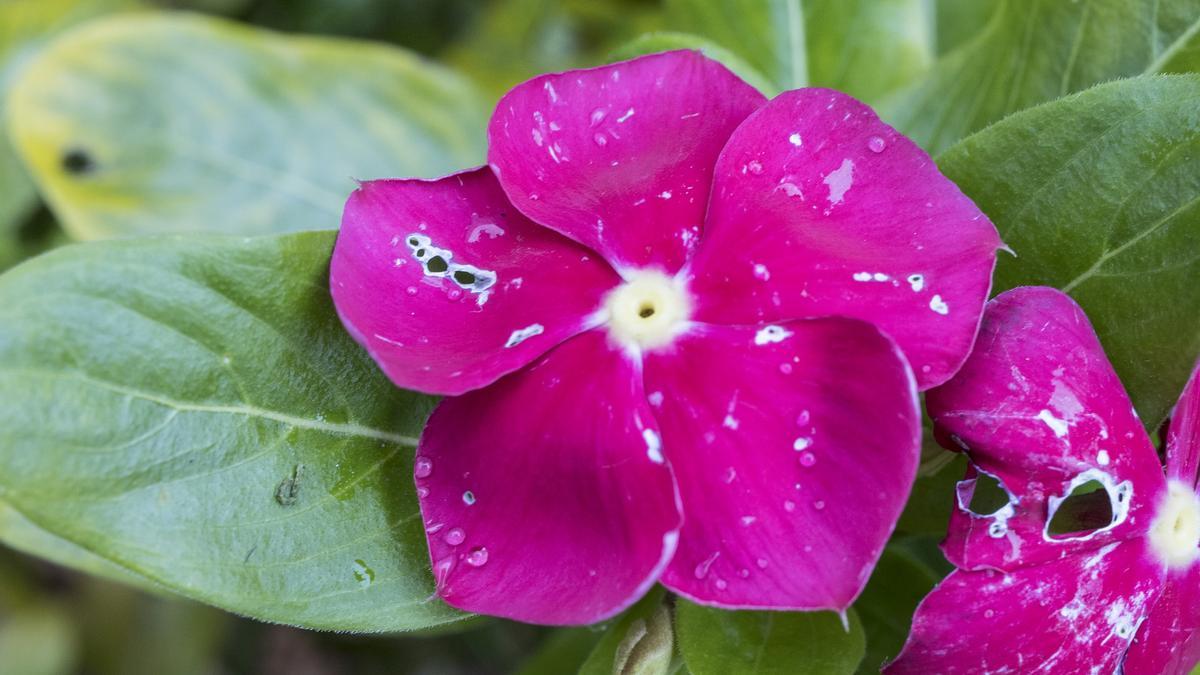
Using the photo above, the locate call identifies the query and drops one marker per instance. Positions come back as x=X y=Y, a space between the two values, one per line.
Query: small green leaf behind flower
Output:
x=718 y=642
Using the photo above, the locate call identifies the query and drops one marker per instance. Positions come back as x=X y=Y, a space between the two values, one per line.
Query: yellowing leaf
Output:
x=174 y=122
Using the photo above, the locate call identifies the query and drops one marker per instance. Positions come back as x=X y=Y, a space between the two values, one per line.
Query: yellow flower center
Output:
x=647 y=311
x=1175 y=531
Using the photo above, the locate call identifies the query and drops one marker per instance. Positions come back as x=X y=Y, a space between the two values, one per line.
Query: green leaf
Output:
x=639 y=642
x=933 y=493
x=1034 y=51
x=898 y=584
x=960 y=20
x=1099 y=195
x=651 y=43
x=868 y=48
x=19 y=533
x=863 y=47
x=160 y=123
x=717 y=642
x=25 y=25
x=161 y=391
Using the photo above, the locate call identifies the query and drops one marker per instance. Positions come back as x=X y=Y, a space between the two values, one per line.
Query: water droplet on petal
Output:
x=785 y=368
x=423 y=467
x=721 y=584
x=435 y=528
x=600 y=139
x=422 y=492
x=478 y=557
x=454 y=294
x=803 y=418
x=789 y=506
x=744 y=573
x=456 y=536
x=468 y=498
x=807 y=459
x=876 y=144
x=818 y=505
x=411 y=290
x=762 y=563
x=755 y=167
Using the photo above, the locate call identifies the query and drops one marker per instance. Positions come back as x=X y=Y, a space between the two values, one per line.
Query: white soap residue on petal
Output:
x=840 y=181
x=523 y=334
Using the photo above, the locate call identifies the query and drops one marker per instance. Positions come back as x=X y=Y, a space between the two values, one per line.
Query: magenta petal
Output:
x=795 y=446
x=620 y=157
x=1075 y=615
x=545 y=495
x=819 y=208
x=506 y=291
x=1169 y=640
x=1183 y=434
x=1038 y=406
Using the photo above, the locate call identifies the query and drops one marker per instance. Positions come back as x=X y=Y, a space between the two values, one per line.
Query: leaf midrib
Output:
x=333 y=428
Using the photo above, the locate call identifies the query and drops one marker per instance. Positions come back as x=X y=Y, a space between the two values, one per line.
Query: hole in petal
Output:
x=1086 y=509
x=464 y=277
x=989 y=495
x=437 y=264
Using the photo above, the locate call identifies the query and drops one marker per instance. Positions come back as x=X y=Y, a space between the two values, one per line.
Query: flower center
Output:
x=648 y=310
x=1175 y=532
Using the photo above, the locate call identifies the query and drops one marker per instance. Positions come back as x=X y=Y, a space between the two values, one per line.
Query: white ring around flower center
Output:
x=1175 y=531
x=647 y=311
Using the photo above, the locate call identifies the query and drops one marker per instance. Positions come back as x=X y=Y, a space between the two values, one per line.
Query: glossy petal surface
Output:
x=1038 y=406
x=819 y=209
x=505 y=289
x=1183 y=434
x=1075 y=615
x=788 y=495
x=1169 y=640
x=620 y=157
x=545 y=495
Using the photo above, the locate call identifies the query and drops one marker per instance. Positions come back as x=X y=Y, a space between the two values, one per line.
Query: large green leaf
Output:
x=1099 y=194
x=864 y=47
x=717 y=642
x=25 y=25
x=17 y=532
x=191 y=409
x=1037 y=50
x=173 y=122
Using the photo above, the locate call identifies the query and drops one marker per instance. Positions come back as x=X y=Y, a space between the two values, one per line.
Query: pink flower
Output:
x=618 y=308
x=1039 y=407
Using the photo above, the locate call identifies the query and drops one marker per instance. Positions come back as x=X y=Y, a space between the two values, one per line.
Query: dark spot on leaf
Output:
x=287 y=492
x=464 y=278
x=437 y=264
x=1086 y=509
x=78 y=162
